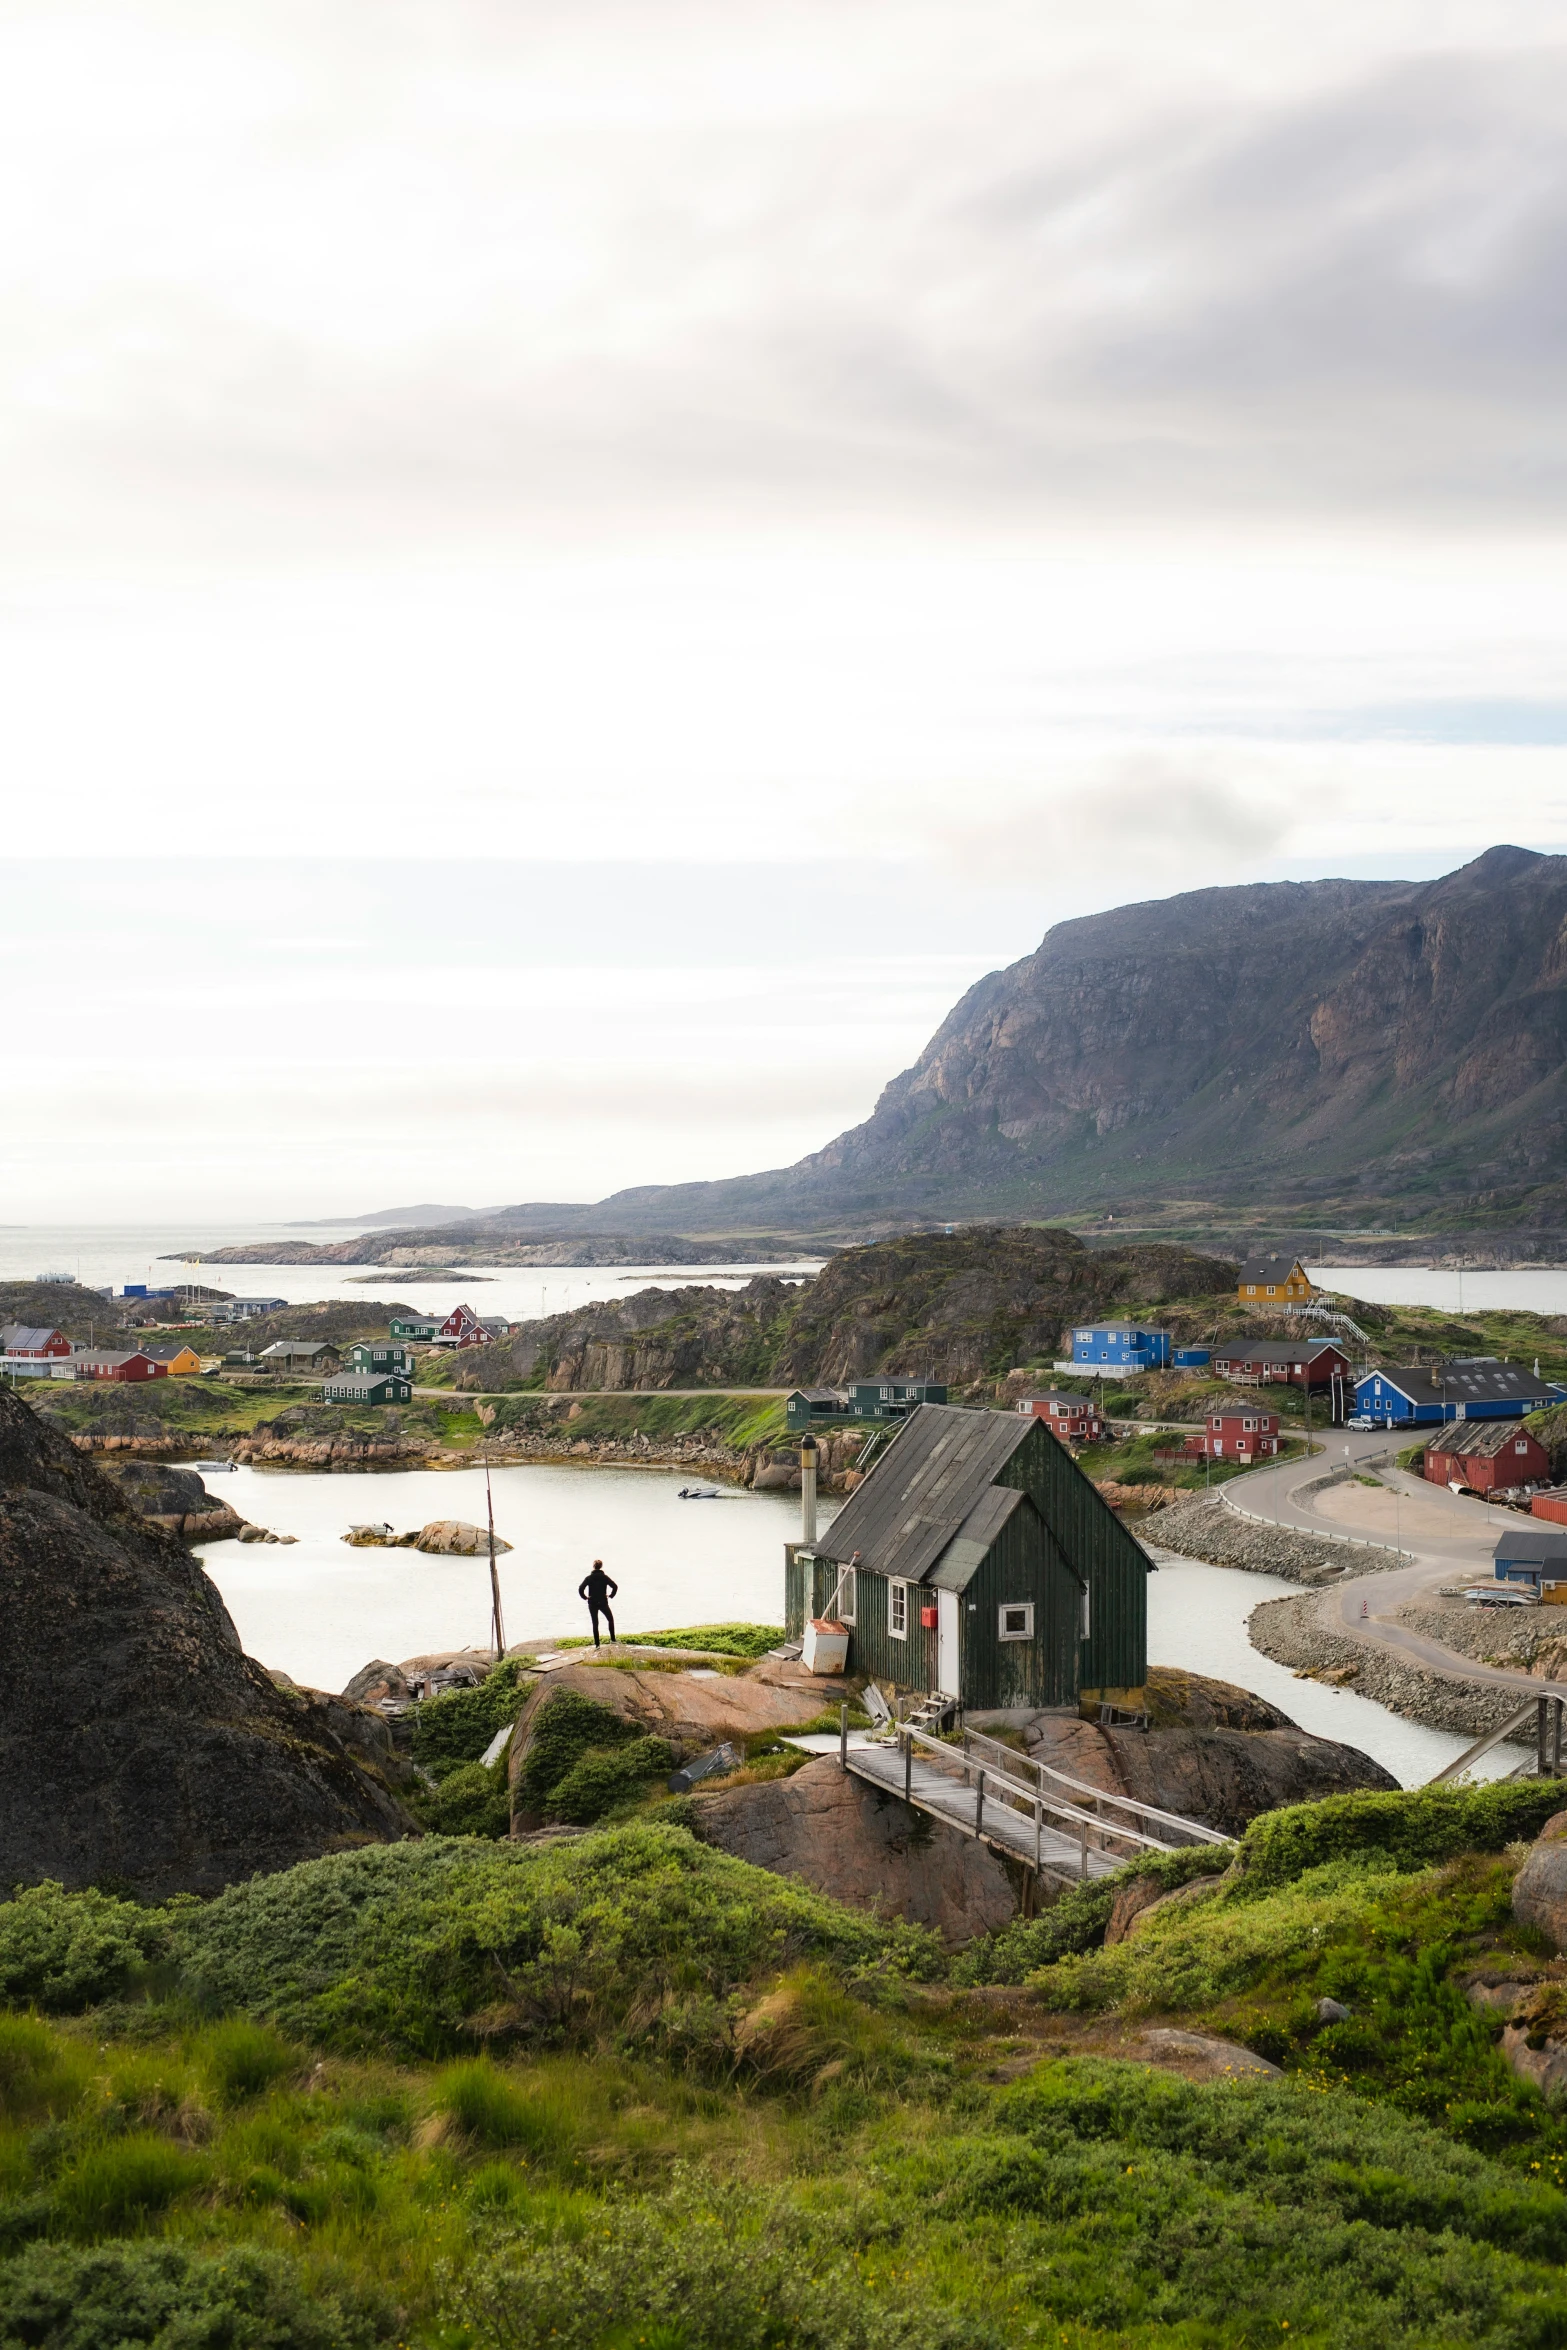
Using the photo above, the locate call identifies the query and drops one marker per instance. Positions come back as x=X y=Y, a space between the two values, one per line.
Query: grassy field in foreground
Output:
x=629 y=2094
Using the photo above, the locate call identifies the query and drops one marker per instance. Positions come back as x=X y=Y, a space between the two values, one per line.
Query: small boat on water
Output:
x=209 y=1468
x=698 y=1493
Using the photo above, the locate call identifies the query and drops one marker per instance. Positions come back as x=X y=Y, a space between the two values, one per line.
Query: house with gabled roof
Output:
x=1464 y=1389
x=1278 y=1281
x=977 y=1561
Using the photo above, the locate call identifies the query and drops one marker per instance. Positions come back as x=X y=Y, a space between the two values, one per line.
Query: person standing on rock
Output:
x=597 y=1589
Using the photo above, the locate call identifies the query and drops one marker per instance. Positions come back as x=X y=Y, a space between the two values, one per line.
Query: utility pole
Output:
x=497 y=1628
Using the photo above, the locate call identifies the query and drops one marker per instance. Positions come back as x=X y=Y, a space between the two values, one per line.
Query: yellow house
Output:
x=1277 y=1281
x=177 y=1358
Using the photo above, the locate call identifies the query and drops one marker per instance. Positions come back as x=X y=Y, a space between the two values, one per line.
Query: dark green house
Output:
x=978 y=1561
x=382 y=1354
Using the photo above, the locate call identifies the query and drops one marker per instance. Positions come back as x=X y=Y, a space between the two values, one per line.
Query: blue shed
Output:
x=1191 y=1358
x=1467 y=1389
x=1531 y=1554
x=1120 y=1346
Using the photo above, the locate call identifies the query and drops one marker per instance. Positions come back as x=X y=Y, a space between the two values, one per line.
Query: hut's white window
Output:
x=1017 y=1621
x=898 y=1610
x=846 y=1597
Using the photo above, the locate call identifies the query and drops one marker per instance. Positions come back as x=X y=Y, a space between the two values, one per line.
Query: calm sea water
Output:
x=1424 y=1285
x=321 y=1609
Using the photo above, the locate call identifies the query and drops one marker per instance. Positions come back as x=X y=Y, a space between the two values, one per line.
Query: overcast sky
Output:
x=572 y=570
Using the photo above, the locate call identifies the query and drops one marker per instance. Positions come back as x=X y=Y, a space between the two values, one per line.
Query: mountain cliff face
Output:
x=1329 y=1046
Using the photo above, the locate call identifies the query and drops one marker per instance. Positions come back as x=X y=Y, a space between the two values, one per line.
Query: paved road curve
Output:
x=1464 y=1555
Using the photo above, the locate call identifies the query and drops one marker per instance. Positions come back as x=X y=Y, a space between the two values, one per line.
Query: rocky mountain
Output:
x=139 y=1745
x=1346 y=1051
x=955 y=1307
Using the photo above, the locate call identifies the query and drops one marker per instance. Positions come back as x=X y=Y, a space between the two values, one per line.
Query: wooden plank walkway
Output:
x=946 y=1798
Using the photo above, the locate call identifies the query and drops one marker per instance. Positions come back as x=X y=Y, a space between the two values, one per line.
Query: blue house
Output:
x=1468 y=1389
x=1190 y=1358
x=1119 y=1346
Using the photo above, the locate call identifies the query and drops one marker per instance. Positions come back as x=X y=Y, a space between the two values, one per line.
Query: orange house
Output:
x=1275 y=1281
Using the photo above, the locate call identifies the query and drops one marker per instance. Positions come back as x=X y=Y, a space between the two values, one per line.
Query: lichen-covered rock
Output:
x=138 y=1742
x=1540 y=1887
x=862 y=1847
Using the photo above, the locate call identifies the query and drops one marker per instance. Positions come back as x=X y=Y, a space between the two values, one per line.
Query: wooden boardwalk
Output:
x=1017 y=1805
x=944 y=1797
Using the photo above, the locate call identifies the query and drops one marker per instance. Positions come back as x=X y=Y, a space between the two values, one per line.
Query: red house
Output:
x=1235 y=1434
x=133 y=1365
x=33 y=1345
x=462 y=1327
x=1486 y=1456
x=1294 y=1362
x=1074 y=1418
x=1552 y=1504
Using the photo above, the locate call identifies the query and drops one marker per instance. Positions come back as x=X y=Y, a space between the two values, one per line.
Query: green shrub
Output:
x=703 y=2266
x=403 y=1945
x=496 y=2108
x=241 y=2059
x=1077 y=1921
x=116 y=2186
x=38 y=2073
x=602 y=1778
x=564 y=1728
x=156 y=2295
x=1415 y=1830
x=749 y=1640
x=471 y=1801
x=457 y=1727
x=65 y=1951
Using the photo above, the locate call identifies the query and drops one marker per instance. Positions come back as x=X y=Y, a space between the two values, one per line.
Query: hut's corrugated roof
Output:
x=927 y=1486
x=1481 y=1439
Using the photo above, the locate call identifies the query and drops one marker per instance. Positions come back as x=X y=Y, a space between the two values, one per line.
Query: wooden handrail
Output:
x=1146 y=1811
x=1074 y=1814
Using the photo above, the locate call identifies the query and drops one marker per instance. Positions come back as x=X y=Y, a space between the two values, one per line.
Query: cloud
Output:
x=589 y=269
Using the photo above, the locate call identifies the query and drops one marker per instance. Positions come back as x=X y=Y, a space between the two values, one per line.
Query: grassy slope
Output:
x=212 y=1408
x=654 y=2158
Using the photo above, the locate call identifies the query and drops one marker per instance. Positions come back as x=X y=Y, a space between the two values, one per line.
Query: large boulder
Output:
x=1540 y=1887
x=138 y=1743
x=452 y=1538
x=174 y=1499
x=1216 y=1754
x=862 y=1847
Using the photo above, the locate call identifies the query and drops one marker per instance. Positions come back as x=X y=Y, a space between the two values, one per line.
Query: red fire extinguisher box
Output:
x=927 y=1619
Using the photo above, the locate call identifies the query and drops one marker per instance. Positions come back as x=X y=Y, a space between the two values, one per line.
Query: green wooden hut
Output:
x=978 y=1561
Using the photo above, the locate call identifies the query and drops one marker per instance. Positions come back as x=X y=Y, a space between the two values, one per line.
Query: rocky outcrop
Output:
x=1540 y=1887
x=956 y=1306
x=174 y=1499
x=1220 y=1776
x=850 y=1841
x=138 y=1743
x=693 y=1710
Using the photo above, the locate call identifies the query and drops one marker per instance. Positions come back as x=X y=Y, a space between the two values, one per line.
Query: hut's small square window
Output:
x=1017 y=1620
x=898 y=1610
x=845 y=1609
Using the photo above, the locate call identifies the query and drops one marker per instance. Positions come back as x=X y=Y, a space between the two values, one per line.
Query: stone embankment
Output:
x=765 y=1467
x=1203 y=1527
x=298 y=1452
x=1297 y=1633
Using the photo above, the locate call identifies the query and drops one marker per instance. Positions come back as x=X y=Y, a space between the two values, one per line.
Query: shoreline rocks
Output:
x=1292 y=1632
x=1204 y=1527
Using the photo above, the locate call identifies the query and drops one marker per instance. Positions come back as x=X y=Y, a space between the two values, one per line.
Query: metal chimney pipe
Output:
x=808 y=1492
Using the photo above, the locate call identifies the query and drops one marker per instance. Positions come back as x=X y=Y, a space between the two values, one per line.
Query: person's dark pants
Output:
x=595 y=1612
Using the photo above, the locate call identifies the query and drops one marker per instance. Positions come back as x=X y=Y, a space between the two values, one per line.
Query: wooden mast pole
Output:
x=497 y=1629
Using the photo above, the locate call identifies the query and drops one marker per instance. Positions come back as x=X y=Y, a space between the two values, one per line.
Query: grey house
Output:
x=978 y=1561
